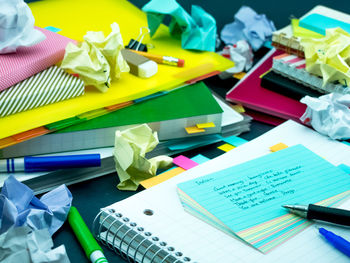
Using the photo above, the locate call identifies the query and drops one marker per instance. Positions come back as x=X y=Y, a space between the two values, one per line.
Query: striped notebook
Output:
x=49 y=86
x=293 y=67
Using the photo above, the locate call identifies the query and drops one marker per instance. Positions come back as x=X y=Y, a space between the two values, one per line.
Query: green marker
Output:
x=86 y=239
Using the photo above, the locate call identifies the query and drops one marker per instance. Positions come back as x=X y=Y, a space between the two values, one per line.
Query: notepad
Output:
x=201 y=242
x=245 y=196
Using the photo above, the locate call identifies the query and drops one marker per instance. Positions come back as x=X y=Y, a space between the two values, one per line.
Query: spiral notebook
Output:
x=152 y=225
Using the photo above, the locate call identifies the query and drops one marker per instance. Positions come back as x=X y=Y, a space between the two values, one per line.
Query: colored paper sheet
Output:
x=184 y=162
x=249 y=204
x=194 y=129
x=345 y=168
x=278 y=146
x=205 y=125
x=234 y=140
x=194 y=142
x=130 y=20
x=226 y=147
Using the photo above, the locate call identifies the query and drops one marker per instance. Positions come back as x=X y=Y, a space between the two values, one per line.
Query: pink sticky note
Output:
x=184 y=162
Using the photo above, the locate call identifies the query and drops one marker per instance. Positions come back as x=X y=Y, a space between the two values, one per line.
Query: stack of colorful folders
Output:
x=246 y=200
x=273 y=88
x=124 y=92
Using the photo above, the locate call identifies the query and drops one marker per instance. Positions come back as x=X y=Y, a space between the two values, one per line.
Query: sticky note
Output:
x=238 y=107
x=53 y=29
x=193 y=129
x=239 y=75
x=161 y=177
x=184 y=162
x=205 y=125
x=226 y=147
x=200 y=159
x=278 y=146
x=234 y=140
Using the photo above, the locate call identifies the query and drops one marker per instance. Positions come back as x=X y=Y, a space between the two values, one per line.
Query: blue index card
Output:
x=319 y=23
x=253 y=192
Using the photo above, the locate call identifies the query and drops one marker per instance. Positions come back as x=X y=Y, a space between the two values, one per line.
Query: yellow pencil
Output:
x=162 y=59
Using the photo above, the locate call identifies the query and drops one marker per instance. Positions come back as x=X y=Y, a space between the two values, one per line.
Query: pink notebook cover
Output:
x=27 y=61
x=250 y=94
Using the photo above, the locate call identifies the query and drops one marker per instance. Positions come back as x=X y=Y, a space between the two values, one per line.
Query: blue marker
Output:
x=337 y=241
x=47 y=163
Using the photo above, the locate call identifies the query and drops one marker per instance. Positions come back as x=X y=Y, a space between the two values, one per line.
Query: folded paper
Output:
x=197 y=31
x=25 y=245
x=19 y=206
x=97 y=60
x=49 y=86
x=27 y=61
x=248 y=25
x=130 y=149
x=17 y=26
x=328 y=114
x=328 y=57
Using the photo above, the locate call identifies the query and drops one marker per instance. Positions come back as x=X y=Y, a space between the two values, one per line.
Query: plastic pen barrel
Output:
x=92 y=249
x=337 y=241
x=61 y=162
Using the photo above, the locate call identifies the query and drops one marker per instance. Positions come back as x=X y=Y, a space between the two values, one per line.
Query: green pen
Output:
x=92 y=249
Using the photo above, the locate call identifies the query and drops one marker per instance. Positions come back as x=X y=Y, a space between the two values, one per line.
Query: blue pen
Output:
x=337 y=241
x=47 y=163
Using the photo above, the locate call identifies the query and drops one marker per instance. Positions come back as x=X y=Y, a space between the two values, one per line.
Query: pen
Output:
x=329 y=214
x=47 y=163
x=92 y=249
x=162 y=59
x=337 y=241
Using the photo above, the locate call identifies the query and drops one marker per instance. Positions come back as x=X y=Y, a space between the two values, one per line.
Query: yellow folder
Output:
x=75 y=18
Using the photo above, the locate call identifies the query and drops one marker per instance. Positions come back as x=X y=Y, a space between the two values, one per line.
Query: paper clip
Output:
x=137 y=44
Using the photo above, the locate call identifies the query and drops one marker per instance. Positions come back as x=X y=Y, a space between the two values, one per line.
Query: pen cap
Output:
x=82 y=232
x=59 y=162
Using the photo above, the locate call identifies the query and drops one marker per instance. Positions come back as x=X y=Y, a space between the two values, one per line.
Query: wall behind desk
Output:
x=277 y=10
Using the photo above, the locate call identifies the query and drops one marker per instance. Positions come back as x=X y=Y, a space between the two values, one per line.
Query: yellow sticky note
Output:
x=193 y=129
x=148 y=183
x=205 y=125
x=226 y=147
x=278 y=146
x=239 y=75
x=238 y=107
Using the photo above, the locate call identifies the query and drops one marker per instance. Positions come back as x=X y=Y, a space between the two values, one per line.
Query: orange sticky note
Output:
x=278 y=146
x=205 y=125
x=194 y=129
x=148 y=183
x=239 y=75
x=226 y=147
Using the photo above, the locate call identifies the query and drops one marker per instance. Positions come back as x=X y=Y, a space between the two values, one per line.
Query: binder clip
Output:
x=137 y=44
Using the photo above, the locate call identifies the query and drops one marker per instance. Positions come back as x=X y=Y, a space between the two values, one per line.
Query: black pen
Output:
x=328 y=214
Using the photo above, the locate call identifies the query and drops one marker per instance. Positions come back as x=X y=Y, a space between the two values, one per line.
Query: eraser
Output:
x=181 y=63
x=139 y=65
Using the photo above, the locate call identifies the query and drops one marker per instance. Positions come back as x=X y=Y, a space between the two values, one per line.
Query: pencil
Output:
x=162 y=59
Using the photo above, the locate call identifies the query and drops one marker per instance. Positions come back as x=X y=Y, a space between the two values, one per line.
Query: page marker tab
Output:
x=278 y=146
x=226 y=147
x=184 y=162
x=193 y=129
x=238 y=107
x=148 y=183
x=234 y=140
x=200 y=159
x=53 y=29
x=205 y=125
x=239 y=75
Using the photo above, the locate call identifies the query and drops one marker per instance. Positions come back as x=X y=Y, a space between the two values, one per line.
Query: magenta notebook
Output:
x=27 y=61
x=250 y=94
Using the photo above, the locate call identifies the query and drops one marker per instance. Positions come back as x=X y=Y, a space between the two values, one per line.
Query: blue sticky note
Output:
x=200 y=159
x=319 y=23
x=234 y=140
x=193 y=142
x=252 y=193
x=53 y=29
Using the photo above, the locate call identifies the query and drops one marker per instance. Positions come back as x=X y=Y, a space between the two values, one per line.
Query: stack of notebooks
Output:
x=273 y=88
x=50 y=123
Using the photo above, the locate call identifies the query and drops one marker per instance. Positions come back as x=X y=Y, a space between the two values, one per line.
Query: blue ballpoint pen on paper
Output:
x=47 y=163
x=337 y=241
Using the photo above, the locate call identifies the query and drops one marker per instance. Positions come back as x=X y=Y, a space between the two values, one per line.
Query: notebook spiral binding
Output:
x=132 y=242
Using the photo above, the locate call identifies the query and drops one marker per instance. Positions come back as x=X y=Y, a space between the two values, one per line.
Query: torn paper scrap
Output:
x=248 y=25
x=97 y=60
x=19 y=206
x=197 y=31
x=25 y=245
x=328 y=57
x=328 y=114
x=132 y=166
x=17 y=26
